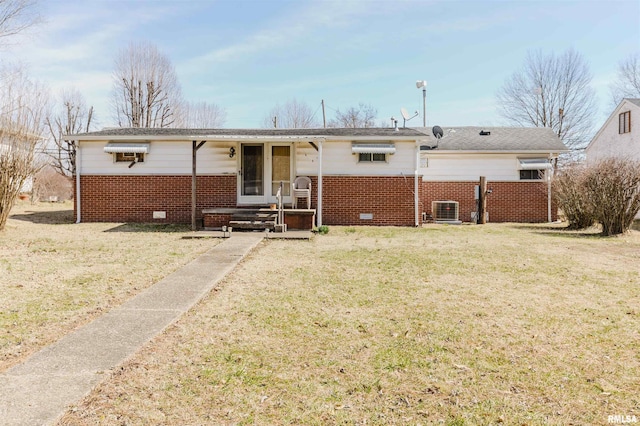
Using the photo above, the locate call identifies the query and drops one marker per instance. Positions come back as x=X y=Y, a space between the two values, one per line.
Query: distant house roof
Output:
x=635 y=101
x=519 y=139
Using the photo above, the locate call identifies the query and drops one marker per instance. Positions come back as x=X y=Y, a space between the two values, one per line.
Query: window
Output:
x=372 y=152
x=624 y=122
x=531 y=174
x=369 y=157
x=129 y=157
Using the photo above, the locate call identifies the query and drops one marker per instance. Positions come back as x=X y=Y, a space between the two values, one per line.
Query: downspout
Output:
x=416 y=197
x=549 y=192
x=319 y=217
x=78 y=156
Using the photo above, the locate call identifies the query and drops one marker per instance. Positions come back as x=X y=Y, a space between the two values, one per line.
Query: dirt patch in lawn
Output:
x=453 y=325
x=56 y=275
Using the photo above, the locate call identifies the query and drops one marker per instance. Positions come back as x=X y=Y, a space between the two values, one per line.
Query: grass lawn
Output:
x=56 y=275
x=502 y=323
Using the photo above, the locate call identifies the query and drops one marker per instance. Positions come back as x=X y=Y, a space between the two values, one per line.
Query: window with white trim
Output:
x=533 y=168
x=127 y=152
x=128 y=157
x=370 y=157
x=531 y=174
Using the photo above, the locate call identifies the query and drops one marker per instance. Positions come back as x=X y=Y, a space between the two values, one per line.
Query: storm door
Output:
x=262 y=168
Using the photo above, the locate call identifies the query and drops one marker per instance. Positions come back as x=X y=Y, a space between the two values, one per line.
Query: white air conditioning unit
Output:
x=445 y=210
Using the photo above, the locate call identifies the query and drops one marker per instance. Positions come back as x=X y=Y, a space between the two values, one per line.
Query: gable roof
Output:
x=499 y=139
x=633 y=101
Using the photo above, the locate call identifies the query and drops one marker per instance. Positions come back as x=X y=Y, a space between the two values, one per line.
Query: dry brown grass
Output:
x=511 y=324
x=56 y=275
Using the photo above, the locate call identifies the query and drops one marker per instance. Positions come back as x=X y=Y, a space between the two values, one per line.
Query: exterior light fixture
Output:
x=232 y=152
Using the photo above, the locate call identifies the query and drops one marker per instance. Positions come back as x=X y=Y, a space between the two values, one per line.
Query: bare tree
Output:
x=146 y=91
x=73 y=116
x=201 y=115
x=292 y=115
x=551 y=91
x=23 y=105
x=360 y=116
x=49 y=184
x=627 y=83
x=16 y=16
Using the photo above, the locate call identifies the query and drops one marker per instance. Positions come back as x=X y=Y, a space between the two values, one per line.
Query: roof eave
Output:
x=236 y=138
x=459 y=151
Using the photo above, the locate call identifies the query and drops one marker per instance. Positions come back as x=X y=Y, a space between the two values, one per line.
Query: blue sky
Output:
x=246 y=56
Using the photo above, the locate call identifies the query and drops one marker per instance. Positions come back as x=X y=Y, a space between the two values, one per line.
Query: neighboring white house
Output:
x=6 y=148
x=619 y=136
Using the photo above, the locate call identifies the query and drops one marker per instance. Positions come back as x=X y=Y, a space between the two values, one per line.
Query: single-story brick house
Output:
x=373 y=176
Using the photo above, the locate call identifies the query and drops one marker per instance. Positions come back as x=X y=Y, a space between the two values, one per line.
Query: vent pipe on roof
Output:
x=484 y=133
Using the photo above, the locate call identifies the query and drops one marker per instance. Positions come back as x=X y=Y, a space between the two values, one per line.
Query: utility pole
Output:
x=324 y=117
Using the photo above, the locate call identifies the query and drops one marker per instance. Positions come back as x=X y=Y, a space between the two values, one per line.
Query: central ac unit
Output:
x=445 y=210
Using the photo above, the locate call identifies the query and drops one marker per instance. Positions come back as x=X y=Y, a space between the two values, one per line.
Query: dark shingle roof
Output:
x=455 y=139
x=499 y=139
x=204 y=133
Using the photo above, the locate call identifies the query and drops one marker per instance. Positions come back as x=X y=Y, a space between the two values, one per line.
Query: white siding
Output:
x=469 y=167
x=306 y=160
x=609 y=143
x=164 y=158
x=337 y=159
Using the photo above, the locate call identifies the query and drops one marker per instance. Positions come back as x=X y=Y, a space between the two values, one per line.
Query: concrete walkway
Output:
x=38 y=391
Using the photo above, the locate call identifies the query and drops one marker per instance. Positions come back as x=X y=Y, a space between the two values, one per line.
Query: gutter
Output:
x=242 y=138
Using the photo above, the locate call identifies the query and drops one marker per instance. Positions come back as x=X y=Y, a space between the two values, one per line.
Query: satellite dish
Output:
x=437 y=132
x=405 y=116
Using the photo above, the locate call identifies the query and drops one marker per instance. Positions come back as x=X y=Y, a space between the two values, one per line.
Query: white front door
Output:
x=263 y=167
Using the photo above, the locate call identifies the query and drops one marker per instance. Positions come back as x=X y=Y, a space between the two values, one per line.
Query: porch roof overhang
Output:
x=268 y=135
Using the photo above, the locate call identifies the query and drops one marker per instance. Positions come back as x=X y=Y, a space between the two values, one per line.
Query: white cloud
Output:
x=285 y=31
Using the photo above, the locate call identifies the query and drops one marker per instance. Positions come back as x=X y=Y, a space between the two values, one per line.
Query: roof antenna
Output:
x=405 y=116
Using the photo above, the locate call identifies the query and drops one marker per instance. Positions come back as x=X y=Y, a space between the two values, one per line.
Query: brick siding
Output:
x=388 y=198
x=135 y=198
x=524 y=201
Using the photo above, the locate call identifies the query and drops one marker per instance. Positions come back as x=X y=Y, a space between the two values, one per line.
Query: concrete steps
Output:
x=254 y=220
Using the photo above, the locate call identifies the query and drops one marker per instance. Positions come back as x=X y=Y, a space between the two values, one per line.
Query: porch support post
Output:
x=78 y=197
x=319 y=213
x=416 y=187
x=194 y=150
x=548 y=175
